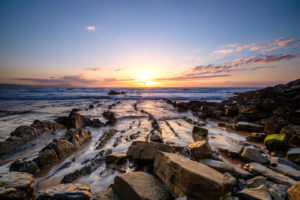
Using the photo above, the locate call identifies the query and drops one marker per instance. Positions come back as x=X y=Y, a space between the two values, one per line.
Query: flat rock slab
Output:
x=251 y=155
x=16 y=185
x=243 y=173
x=146 y=151
x=260 y=193
x=219 y=166
x=76 y=191
x=247 y=126
x=184 y=177
x=139 y=186
x=293 y=155
x=232 y=150
x=108 y=194
x=294 y=192
x=259 y=169
x=284 y=162
x=257 y=181
x=288 y=171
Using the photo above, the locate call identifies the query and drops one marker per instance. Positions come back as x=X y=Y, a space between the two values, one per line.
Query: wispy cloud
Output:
x=90 y=28
x=283 y=43
x=117 y=70
x=67 y=79
x=224 y=51
x=244 y=46
x=264 y=67
x=98 y=69
x=295 y=47
x=92 y=69
x=272 y=49
x=257 y=47
x=230 y=45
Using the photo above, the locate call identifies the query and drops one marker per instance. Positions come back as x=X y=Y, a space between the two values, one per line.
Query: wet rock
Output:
x=241 y=184
x=146 y=151
x=222 y=124
x=276 y=142
x=62 y=120
x=182 y=107
x=251 y=155
x=219 y=166
x=241 y=118
x=256 y=137
x=243 y=173
x=91 y=106
x=112 y=92
x=202 y=132
x=65 y=165
x=292 y=133
x=259 y=169
x=257 y=111
x=230 y=178
x=274 y=125
x=76 y=120
x=281 y=189
x=156 y=136
x=70 y=177
x=275 y=194
x=76 y=191
x=288 y=171
x=111 y=116
x=284 y=162
x=232 y=150
x=97 y=123
x=247 y=126
x=169 y=101
x=116 y=158
x=257 y=181
x=294 y=192
x=260 y=193
x=16 y=185
x=107 y=194
x=139 y=185
x=293 y=155
x=293 y=117
x=105 y=137
x=183 y=177
x=201 y=150
x=231 y=111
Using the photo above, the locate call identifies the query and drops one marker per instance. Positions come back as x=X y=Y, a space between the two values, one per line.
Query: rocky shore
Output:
x=154 y=157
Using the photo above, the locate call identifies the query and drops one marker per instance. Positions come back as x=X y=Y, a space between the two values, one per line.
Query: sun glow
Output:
x=146 y=78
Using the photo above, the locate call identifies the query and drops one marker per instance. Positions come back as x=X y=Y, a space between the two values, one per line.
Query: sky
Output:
x=150 y=43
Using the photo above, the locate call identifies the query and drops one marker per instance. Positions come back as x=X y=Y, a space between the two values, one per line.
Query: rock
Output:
x=16 y=185
x=232 y=150
x=200 y=150
x=146 y=151
x=202 y=132
x=115 y=158
x=182 y=107
x=275 y=194
x=107 y=194
x=251 y=155
x=257 y=181
x=65 y=165
x=293 y=117
x=241 y=118
x=184 y=177
x=156 y=136
x=284 y=162
x=288 y=171
x=77 y=121
x=274 y=125
x=260 y=193
x=62 y=120
x=294 y=192
x=105 y=137
x=222 y=124
x=293 y=155
x=243 y=173
x=70 y=177
x=241 y=184
x=256 y=137
x=276 y=142
x=230 y=178
x=139 y=185
x=281 y=189
x=91 y=106
x=97 y=123
x=111 y=116
x=76 y=191
x=169 y=101
x=112 y=92
x=219 y=166
x=247 y=126
x=292 y=133
x=259 y=169
x=231 y=111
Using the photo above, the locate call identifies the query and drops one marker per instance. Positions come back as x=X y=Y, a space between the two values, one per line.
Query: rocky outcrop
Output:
x=146 y=151
x=294 y=192
x=293 y=155
x=111 y=117
x=276 y=142
x=112 y=92
x=183 y=177
x=247 y=126
x=139 y=185
x=219 y=166
x=76 y=191
x=156 y=136
x=54 y=151
x=260 y=193
x=274 y=125
x=75 y=120
x=201 y=150
x=251 y=155
x=16 y=185
x=105 y=137
x=108 y=194
x=292 y=133
x=115 y=158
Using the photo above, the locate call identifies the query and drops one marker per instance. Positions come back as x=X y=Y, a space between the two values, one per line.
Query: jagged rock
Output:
x=275 y=194
x=107 y=194
x=139 y=185
x=281 y=189
x=243 y=173
x=65 y=165
x=274 y=125
x=146 y=151
x=241 y=118
x=293 y=155
x=292 y=133
x=112 y=92
x=219 y=166
x=62 y=120
x=247 y=126
x=288 y=171
x=97 y=123
x=76 y=120
x=231 y=111
x=251 y=155
x=201 y=150
x=16 y=185
x=232 y=150
x=70 y=177
x=257 y=181
x=156 y=136
x=182 y=107
x=256 y=137
x=260 y=193
x=284 y=162
x=76 y=191
x=294 y=192
x=241 y=184
x=259 y=169
x=111 y=116
x=169 y=101
x=105 y=137
x=115 y=158
x=202 y=132
x=293 y=117
x=276 y=142
x=230 y=178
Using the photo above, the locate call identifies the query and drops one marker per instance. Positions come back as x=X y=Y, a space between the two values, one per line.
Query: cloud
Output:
x=98 y=69
x=225 y=51
x=92 y=69
x=264 y=67
x=230 y=45
x=272 y=49
x=283 y=43
x=117 y=70
x=189 y=78
x=90 y=28
x=257 y=47
x=244 y=46
x=295 y=47
x=62 y=80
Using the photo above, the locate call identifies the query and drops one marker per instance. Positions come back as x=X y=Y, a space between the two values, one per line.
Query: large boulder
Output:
x=247 y=126
x=201 y=150
x=139 y=185
x=184 y=177
x=76 y=191
x=292 y=133
x=276 y=142
x=293 y=155
x=16 y=185
x=274 y=125
x=146 y=151
x=202 y=132
x=219 y=166
x=294 y=192
x=107 y=194
x=288 y=171
x=251 y=155
x=259 y=169
x=260 y=193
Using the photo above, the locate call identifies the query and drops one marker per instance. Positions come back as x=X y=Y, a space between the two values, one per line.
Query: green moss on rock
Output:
x=276 y=142
x=202 y=132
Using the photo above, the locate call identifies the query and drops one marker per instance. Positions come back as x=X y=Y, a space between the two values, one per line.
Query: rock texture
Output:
x=276 y=142
x=260 y=193
x=219 y=166
x=251 y=155
x=294 y=192
x=183 y=177
x=232 y=150
x=16 y=185
x=288 y=171
x=293 y=155
x=108 y=194
x=200 y=150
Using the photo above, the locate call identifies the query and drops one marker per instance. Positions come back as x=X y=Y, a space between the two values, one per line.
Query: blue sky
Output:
x=153 y=43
